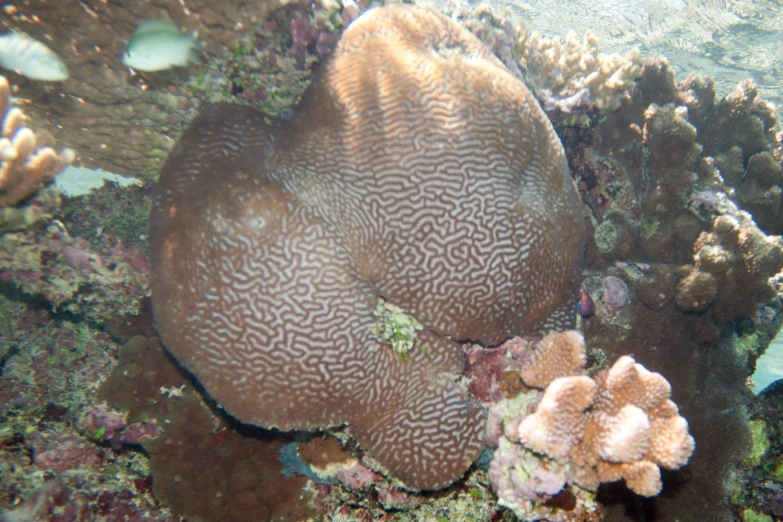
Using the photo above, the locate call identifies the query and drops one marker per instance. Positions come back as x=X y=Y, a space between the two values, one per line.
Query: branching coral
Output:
x=570 y=74
x=618 y=424
x=565 y=74
x=27 y=160
x=631 y=430
x=557 y=355
x=27 y=163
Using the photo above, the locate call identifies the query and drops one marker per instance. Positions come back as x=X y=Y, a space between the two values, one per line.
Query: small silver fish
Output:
x=158 y=45
x=31 y=58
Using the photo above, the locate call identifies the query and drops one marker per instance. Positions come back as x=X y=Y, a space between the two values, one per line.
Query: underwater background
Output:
x=667 y=115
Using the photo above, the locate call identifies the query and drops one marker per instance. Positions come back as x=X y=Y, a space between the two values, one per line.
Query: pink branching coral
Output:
x=618 y=424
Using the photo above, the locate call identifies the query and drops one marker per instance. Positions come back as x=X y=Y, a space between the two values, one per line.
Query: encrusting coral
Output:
x=27 y=163
x=617 y=424
x=734 y=259
x=422 y=172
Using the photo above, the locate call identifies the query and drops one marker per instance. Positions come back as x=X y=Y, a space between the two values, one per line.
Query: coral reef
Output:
x=617 y=424
x=349 y=226
x=28 y=163
x=113 y=216
x=571 y=74
x=71 y=276
x=682 y=190
x=661 y=177
x=49 y=371
x=91 y=263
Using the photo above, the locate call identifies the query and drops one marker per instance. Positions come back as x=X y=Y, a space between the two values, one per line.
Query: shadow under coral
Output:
x=204 y=465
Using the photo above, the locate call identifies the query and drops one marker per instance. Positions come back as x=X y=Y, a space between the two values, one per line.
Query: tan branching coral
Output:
x=620 y=424
x=631 y=430
x=559 y=421
x=27 y=160
x=556 y=355
x=564 y=74
x=571 y=73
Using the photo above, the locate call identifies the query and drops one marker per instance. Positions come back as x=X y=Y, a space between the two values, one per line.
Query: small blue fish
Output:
x=31 y=58
x=158 y=45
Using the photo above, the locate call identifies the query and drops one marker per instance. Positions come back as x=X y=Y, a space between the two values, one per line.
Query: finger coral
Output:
x=556 y=355
x=571 y=74
x=27 y=160
x=617 y=425
x=566 y=75
x=423 y=173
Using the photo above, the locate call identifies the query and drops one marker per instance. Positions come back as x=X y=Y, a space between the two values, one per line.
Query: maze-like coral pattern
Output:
x=421 y=172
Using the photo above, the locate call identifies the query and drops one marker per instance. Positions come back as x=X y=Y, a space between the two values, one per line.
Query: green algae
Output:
x=396 y=328
x=761 y=444
x=751 y=345
x=648 y=228
x=606 y=235
x=751 y=516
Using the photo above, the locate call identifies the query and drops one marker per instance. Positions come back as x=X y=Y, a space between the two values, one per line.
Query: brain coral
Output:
x=418 y=170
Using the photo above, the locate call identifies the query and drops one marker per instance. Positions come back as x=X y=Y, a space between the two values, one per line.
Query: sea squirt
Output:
x=417 y=169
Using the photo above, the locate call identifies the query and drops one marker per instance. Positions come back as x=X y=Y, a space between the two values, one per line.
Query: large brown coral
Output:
x=27 y=160
x=422 y=172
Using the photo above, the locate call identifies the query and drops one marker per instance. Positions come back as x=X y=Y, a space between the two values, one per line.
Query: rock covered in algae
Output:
x=423 y=173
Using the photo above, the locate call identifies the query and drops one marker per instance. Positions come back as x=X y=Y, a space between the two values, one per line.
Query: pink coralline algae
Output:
x=615 y=295
x=60 y=452
x=358 y=477
x=106 y=425
x=487 y=368
x=71 y=275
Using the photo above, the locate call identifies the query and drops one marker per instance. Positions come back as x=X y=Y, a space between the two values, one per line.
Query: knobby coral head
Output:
x=417 y=170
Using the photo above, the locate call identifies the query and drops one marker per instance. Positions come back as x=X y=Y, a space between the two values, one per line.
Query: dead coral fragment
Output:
x=395 y=328
x=27 y=160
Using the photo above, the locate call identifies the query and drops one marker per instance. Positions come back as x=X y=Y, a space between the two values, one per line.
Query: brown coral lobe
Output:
x=417 y=169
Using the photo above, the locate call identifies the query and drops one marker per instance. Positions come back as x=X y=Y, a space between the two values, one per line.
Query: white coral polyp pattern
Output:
x=627 y=437
x=560 y=419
